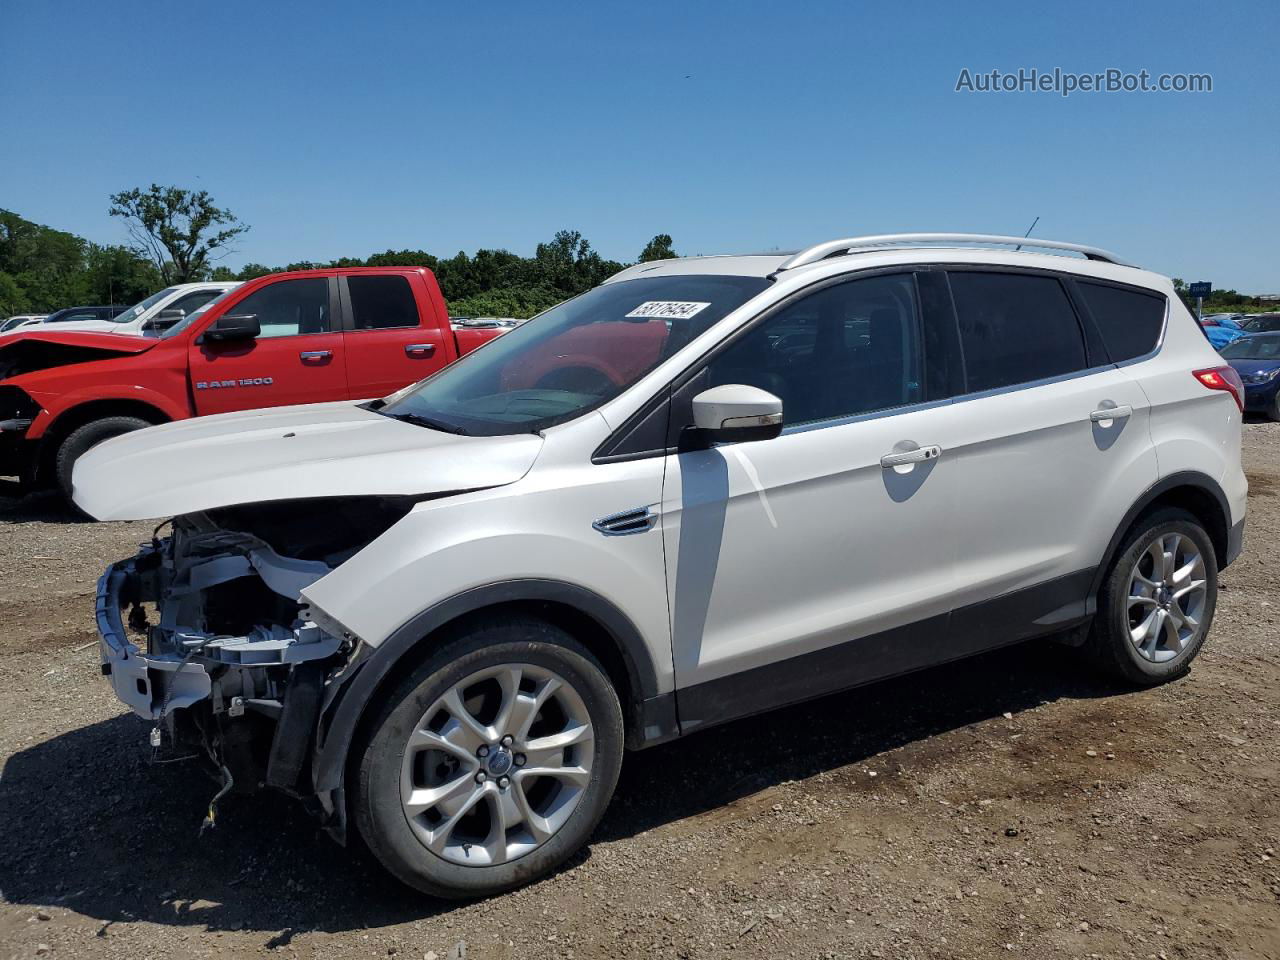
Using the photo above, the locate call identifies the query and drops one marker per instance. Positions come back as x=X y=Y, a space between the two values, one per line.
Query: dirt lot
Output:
x=1014 y=804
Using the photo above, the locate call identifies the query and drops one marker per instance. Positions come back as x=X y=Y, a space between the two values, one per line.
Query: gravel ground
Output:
x=1013 y=804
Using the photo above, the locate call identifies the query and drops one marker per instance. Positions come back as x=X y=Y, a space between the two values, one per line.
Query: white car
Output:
x=705 y=489
x=21 y=320
x=157 y=312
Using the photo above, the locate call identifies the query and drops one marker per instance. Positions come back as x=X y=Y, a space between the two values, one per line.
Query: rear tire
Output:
x=1156 y=604
x=448 y=805
x=82 y=439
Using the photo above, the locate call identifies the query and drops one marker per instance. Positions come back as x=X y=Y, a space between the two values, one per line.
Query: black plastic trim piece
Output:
x=347 y=706
x=292 y=739
x=1235 y=542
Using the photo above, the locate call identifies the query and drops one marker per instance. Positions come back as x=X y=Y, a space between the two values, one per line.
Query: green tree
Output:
x=659 y=248
x=116 y=274
x=178 y=230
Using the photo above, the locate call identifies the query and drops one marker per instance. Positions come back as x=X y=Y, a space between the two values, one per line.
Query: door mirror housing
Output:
x=242 y=326
x=735 y=413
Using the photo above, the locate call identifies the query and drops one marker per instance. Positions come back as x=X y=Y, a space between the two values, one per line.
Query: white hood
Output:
x=81 y=326
x=286 y=453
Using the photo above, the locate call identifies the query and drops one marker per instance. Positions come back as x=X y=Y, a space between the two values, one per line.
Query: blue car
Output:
x=1256 y=357
x=1221 y=329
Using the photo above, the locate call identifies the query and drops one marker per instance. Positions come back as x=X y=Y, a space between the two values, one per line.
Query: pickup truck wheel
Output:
x=81 y=439
x=1157 y=601
x=492 y=762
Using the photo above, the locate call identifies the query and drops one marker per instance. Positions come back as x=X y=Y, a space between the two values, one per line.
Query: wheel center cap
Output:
x=499 y=761
x=1164 y=597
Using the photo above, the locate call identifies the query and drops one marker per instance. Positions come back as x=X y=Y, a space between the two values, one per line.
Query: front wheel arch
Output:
x=607 y=632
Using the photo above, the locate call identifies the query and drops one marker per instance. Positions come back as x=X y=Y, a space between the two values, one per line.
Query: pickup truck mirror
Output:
x=734 y=413
x=243 y=326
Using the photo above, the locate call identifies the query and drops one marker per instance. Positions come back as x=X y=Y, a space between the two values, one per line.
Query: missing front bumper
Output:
x=182 y=665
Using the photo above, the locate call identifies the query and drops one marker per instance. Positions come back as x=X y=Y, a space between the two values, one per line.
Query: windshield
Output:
x=186 y=322
x=1253 y=348
x=1262 y=322
x=142 y=306
x=573 y=358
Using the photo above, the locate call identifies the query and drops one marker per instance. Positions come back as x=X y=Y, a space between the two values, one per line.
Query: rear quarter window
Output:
x=1130 y=321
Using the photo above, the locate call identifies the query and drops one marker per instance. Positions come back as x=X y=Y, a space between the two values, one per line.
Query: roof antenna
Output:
x=1028 y=233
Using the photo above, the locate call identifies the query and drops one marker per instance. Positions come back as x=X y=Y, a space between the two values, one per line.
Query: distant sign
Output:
x=1201 y=289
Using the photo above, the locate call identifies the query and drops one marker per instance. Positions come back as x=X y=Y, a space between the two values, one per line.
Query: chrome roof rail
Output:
x=890 y=240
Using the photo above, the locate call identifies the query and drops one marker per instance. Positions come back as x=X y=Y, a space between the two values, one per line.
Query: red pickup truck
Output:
x=299 y=337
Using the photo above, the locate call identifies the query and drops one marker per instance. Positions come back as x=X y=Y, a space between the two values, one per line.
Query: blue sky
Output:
x=347 y=129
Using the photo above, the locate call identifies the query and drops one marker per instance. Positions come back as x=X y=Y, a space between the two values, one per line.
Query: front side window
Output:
x=1130 y=322
x=1015 y=328
x=573 y=358
x=381 y=302
x=849 y=349
x=193 y=301
x=288 y=308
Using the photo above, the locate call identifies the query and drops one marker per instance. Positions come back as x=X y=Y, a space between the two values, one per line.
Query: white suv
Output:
x=707 y=488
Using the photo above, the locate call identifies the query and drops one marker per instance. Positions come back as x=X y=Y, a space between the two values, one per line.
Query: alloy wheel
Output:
x=1167 y=592
x=497 y=764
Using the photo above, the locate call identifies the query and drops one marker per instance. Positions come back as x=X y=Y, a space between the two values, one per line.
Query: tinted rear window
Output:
x=1015 y=328
x=378 y=302
x=1130 y=322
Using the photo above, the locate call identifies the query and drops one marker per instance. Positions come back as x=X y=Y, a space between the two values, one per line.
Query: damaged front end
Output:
x=204 y=634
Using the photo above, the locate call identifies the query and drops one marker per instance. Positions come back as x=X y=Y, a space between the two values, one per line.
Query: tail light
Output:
x=1223 y=378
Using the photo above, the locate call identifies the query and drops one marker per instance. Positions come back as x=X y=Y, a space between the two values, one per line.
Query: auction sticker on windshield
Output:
x=669 y=309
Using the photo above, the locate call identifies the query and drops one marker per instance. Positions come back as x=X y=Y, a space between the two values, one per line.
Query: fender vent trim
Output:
x=637 y=520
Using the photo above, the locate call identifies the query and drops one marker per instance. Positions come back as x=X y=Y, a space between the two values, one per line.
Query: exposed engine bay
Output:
x=204 y=633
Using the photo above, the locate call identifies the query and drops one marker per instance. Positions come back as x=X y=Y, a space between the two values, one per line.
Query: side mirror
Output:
x=234 y=327
x=735 y=413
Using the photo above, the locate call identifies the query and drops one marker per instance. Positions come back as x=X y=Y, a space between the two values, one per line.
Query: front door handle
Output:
x=1112 y=412
x=908 y=457
x=419 y=349
x=307 y=355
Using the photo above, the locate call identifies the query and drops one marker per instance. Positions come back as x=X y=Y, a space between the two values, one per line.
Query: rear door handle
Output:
x=1111 y=413
x=420 y=349
x=907 y=457
x=306 y=355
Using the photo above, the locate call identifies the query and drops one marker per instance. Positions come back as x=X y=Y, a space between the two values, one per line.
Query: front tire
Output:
x=1157 y=602
x=492 y=763
x=82 y=439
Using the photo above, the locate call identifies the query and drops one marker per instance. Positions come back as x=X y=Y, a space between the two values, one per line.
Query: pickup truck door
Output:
x=297 y=357
x=391 y=333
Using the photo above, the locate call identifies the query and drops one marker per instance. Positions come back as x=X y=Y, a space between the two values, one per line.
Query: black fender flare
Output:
x=1186 y=478
x=340 y=718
